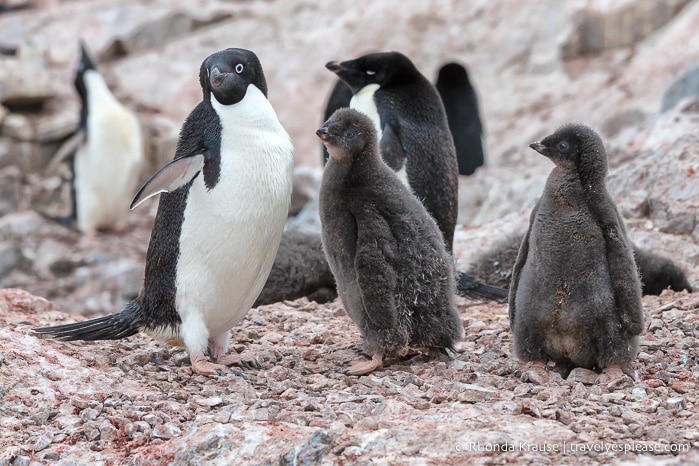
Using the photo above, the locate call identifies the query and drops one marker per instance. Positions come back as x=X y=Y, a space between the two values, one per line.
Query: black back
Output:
x=461 y=106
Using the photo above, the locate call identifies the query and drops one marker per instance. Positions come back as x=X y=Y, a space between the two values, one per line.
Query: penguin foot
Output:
x=201 y=366
x=365 y=367
x=537 y=373
x=613 y=378
x=239 y=360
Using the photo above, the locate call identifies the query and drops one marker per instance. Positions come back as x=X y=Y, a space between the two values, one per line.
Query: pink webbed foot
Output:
x=365 y=367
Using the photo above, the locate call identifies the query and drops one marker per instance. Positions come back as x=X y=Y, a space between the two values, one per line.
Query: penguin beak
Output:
x=217 y=77
x=323 y=133
x=334 y=66
x=538 y=146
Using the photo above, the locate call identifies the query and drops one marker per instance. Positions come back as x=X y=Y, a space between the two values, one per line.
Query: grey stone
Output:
x=166 y=431
x=18 y=127
x=474 y=394
x=10 y=258
x=24 y=78
x=43 y=442
x=686 y=85
x=676 y=403
x=582 y=375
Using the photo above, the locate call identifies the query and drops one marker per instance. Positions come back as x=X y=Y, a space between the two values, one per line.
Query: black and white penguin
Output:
x=107 y=152
x=461 y=105
x=391 y=267
x=575 y=295
x=414 y=137
x=219 y=221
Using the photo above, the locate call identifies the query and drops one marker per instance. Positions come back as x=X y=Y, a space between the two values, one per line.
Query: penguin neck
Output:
x=254 y=110
x=97 y=91
x=364 y=102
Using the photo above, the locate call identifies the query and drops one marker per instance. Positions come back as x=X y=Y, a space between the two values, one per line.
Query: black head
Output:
x=575 y=147
x=385 y=69
x=348 y=133
x=452 y=75
x=84 y=64
x=228 y=73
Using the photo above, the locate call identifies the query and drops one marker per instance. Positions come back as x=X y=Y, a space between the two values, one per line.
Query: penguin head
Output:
x=452 y=75
x=575 y=147
x=84 y=64
x=385 y=69
x=228 y=73
x=348 y=133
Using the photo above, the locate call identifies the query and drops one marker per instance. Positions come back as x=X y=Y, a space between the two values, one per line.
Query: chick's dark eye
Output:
x=351 y=134
x=563 y=146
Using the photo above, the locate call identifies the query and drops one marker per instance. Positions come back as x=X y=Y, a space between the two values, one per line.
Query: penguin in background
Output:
x=219 y=222
x=575 y=295
x=413 y=132
x=107 y=153
x=461 y=105
x=393 y=273
x=414 y=140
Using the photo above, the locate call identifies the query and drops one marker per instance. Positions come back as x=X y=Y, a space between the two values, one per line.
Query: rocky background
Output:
x=629 y=69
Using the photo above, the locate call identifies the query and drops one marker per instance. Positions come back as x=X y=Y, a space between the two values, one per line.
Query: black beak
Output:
x=217 y=77
x=537 y=146
x=334 y=66
x=323 y=132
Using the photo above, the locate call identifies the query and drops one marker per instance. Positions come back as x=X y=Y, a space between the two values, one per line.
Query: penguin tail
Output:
x=469 y=287
x=125 y=323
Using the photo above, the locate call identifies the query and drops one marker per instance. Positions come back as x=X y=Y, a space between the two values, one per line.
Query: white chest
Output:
x=363 y=101
x=231 y=233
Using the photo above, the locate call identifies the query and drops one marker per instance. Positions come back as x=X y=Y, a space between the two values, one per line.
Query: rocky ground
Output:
x=137 y=402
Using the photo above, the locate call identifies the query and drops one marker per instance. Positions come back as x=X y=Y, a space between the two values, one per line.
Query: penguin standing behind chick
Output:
x=107 y=153
x=575 y=295
x=219 y=221
x=393 y=273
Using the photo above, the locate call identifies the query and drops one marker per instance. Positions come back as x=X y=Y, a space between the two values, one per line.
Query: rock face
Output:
x=59 y=401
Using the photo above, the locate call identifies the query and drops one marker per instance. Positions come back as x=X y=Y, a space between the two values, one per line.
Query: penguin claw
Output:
x=238 y=373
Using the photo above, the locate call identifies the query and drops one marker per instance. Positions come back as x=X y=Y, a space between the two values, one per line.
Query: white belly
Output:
x=363 y=101
x=230 y=234
x=108 y=166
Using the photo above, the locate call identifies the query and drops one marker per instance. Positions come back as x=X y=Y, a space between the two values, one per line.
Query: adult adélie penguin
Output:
x=219 y=222
x=107 y=153
x=414 y=139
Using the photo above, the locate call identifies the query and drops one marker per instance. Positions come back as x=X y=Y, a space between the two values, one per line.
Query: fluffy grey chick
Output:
x=575 y=296
x=392 y=271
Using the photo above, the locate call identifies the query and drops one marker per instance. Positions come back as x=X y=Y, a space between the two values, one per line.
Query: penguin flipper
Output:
x=392 y=151
x=112 y=327
x=175 y=174
x=519 y=263
x=67 y=149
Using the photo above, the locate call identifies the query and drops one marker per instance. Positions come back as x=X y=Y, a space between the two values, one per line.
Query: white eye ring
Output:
x=370 y=72
x=239 y=68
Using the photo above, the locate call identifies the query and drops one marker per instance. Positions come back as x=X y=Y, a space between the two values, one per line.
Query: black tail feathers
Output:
x=125 y=323
x=469 y=287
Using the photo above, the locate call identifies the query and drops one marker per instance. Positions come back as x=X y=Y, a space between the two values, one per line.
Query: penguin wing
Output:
x=376 y=277
x=392 y=151
x=626 y=282
x=67 y=149
x=175 y=174
x=519 y=263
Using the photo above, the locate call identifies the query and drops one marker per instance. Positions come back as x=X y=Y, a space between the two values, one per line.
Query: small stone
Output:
x=474 y=393
x=507 y=407
x=51 y=456
x=564 y=416
x=18 y=127
x=152 y=419
x=43 y=442
x=89 y=414
x=108 y=432
x=655 y=324
x=582 y=375
x=260 y=414
x=68 y=421
x=638 y=393
x=675 y=403
x=20 y=224
x=222 y=416
x=210 y=402
x=21 y=460
x=166 y=431
x=683 y=387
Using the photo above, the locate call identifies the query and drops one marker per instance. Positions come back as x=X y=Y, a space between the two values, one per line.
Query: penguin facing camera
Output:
x=220 y=219
x=391 y=267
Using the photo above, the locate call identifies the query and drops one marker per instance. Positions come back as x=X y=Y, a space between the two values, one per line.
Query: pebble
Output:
x=675 y=403
x=43 y=442
x=582 y=375
x=473 y=393
x=166 y=431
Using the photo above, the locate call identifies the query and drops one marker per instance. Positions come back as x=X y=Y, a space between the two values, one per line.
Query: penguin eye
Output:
x=370 y=72
x=351 y=134
x=239 y=68
x=563 y=146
